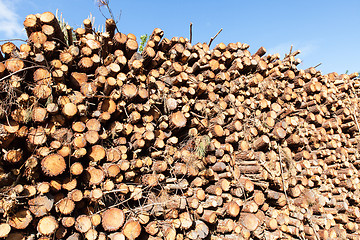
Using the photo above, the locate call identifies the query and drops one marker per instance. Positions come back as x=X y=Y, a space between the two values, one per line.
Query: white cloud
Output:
x=9 y=20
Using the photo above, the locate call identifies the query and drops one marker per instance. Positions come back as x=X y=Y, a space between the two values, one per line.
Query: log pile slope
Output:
x=179 y=141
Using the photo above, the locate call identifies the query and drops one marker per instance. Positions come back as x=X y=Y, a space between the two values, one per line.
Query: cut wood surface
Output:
x=113 y=219
x=181 y=141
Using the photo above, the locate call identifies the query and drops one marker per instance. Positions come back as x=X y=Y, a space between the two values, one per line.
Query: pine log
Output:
x=83 y=223
x=53 y=165
x=41 y=205
x=132 y=229
x=5 y=229
x=47 y=225
x=21 y=219
x=113 y=219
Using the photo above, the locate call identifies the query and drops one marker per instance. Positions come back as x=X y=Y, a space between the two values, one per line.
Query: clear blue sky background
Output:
x=326 y=31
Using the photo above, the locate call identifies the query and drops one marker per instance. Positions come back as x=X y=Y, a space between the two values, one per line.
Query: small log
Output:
x=53 y=165
x=97 y=153
x=92 y=234
x=68 y=221
x=232 y=209
x=76 y=195
x=225 y=226
x=47 y=225
x=129 y=91
x=94 y=175
x=178 y=120
x=65 y=206
x=209 y=216
x=152 y=228
x=14 y=65
x=41 y=205
x=113 y=219
x=83 y=223
x=13 y=156
x=261 y=143
x=48 y=18
x=21 y=219
x=249 y=221
x=5 y=229
x=132 y=229
x=70 y=110
x=201 y=230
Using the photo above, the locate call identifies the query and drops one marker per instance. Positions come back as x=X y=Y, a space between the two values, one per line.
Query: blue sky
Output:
x=326 y=32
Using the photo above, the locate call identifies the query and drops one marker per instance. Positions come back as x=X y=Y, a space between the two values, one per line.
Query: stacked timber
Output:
x=180 y=141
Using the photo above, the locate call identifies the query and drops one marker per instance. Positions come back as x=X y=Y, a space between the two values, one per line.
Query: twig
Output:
x=106 y=3
x=197 y=115
x=262 y=163
x=291 y=62
x=317 y=65
x=212 y=39
x=21 y=70
x=282 y=176
x=312 y=226
x=13 y=39
x=290 y=50
x=356 y=121
x=124 y=201
x=190 y=32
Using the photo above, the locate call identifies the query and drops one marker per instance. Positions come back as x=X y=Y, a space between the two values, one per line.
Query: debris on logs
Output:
x=100 y=141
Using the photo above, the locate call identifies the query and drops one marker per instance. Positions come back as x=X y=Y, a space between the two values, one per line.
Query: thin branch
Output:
x=317 y=65
x=282 y=176
x=308 y=218
x=106 y=3
x=13 y=39
x=266 y=168
x=290 y=50
x=191 y=32
x=21 y=70
x=212 y=39
x=124 y=201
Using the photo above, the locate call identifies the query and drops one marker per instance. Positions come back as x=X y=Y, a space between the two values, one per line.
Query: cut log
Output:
x=232 y=209
x=53 y=165
x=178 y=120
x=83 y=223
x=41 y=205
x=14 y=65
x=97 y=153
x=65 y=206
x=68 y=221
x=94 y=175
x=132 y=229
x=209 y=216
x=5 y=229
x=113 y=219
x=21 y=219
x=47 y=225
x=70 y=110
x=249 y=221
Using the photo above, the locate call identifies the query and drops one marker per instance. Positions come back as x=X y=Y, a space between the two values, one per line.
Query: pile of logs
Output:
x=180 y=141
